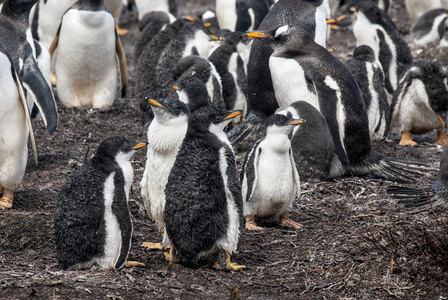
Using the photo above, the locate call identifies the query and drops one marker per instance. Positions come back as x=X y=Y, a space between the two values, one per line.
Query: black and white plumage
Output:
x=373 y=27
x=146 y=6
x=435 y=196
x=204 y=209
x=431 y=27
x=166 y=133
x=417 y=8
x=262 y=102
x=20 y=75
x=311 y=143
x=270 y=181
x=301 y=69
x=92 y=222
x=420 y=103
x=241 y=15
x=370 y=78
x=193 y=92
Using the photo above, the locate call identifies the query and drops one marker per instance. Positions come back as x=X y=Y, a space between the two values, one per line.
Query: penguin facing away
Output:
x=431 y=27
x=166 y=133
x=420 y=103
x=92 y=222
x=204 y=208
x=85 y=61
x=311 y=142
x=146 y=6
x=20 y=75
x=270 y=181
x=435 y=196
x=370 y=78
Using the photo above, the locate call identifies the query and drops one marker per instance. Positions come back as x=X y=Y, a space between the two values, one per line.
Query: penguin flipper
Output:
x=123 y=66
x=295 y=173
x=252 y=165
x=35 y=83
x=55 y=43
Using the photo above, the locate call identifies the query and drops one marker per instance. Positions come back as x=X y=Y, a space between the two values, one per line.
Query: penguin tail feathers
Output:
x=245 y=128
x=411 y=197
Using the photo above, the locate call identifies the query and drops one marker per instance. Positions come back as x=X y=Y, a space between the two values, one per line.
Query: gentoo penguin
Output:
x=417 y=8
x=373 y=27
x=166 y=133
x=431 y=27
x=232 y=70
x=308 y=14
x=92 y=222
x=193 y=92
x=85 y=62
x=420 y=103
x=302 y=69
x=204 y=208
x=145 y=6
x=370 y=78
x=311 y=142
x=47 y=18
x=20 y=75
x=269 y=178
x=241 y=15
x=435 y=196
x=149 y=26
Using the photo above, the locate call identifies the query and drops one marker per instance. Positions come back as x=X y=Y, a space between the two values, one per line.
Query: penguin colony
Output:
x=191 y=85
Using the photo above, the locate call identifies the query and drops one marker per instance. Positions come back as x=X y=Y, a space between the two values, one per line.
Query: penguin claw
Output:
x=131 y=263
x=290 y=223
x=406 y=139
x=252 y=226
x=235 y=267
x=6 y=200
x=152 y=246
x=442 y=138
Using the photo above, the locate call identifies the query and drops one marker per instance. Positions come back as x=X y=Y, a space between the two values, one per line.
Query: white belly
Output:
x=86 y=66
x=13 y=143
x=146 y=6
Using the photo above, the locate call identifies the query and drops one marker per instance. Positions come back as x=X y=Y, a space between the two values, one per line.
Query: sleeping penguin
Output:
x=270 y=181
x=92 y=222
x=204 y=208
x=19 y=75
x=420 y=103
x=85 y=62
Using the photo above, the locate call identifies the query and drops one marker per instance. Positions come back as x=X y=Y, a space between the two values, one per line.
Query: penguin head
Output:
x=193 y=92
x=281 y=124
x=169 y=110
x=192 y=65
x=116 y=148
x=364 y=53
x=213 y=118
x=367 y=9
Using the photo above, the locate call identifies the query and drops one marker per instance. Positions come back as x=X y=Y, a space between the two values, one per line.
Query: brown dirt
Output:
x=356 y=242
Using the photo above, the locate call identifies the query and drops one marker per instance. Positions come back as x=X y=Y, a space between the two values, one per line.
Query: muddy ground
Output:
x=356 y=242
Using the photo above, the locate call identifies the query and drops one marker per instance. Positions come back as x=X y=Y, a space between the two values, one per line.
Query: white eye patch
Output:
x=282 y=30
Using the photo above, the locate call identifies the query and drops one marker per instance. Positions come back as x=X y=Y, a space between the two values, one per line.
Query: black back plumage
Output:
x=196 y=215
x=79 y=217
x=260 y=9
x=424 y=24
x=196 y=92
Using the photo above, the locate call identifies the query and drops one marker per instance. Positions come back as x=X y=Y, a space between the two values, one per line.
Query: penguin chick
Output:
x=417 y=8
x=311 y=142
x=431 y=27
x=92 y=222
x=166 y=133
x=85 y=62
x=370 y=78
x=270 y=181
x=420 y=103
x=204 y=208
x=192 y=91
x=435 y=196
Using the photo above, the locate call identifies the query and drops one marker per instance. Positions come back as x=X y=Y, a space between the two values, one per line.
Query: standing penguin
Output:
x=270 y=181
x=301 y=69
x=204 y=208
x=262 y=102
x=435 y=196
x=373 y=27
x=370 y=78
x=85 y=62
x=417 y=8
x=420 y=103
x=19 y=75
x=166 y=132
x=241 y=15
x=92 y=222
x=311 y=142
x=431 y=27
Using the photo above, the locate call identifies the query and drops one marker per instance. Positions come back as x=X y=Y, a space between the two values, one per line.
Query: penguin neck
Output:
x=90 y=4
x=278 y=142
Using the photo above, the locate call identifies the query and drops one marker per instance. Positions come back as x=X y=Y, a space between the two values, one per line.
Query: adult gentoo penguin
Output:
x=19 y=73
x=370 y=78
x=302 y=69
x=435 y=196
x=308 y=14
x=420 y=103
x=241 y=15
x=92 y=222
x=85 y=62
x=204 y=208
x=431 y=27
x=166 y=133
x=311 y=142
x=270 y=181
x=373 y=27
